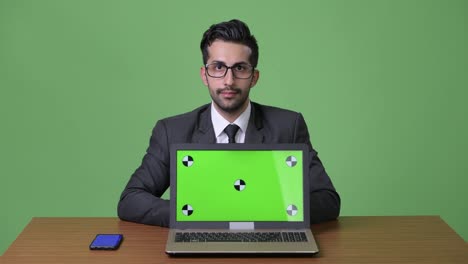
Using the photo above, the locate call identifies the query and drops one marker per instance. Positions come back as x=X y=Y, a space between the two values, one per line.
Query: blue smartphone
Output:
x=106 y=241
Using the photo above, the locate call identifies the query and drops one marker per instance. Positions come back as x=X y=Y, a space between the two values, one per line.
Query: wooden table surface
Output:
x=379 y=239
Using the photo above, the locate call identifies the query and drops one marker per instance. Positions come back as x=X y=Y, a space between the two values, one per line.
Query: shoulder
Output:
x=279 y=125
x=267 y=111
x=180 y=128
x=191 y=116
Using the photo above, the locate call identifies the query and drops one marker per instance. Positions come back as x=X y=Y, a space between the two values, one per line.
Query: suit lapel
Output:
x=204 y=133
x=255 y=133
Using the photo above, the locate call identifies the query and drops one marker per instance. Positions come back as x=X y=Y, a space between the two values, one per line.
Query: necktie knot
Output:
x=231 y=131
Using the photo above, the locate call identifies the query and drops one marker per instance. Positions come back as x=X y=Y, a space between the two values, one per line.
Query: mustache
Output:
x=232 y=89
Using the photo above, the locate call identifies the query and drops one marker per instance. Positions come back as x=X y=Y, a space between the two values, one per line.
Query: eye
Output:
x=240 y=67
x=219 y=66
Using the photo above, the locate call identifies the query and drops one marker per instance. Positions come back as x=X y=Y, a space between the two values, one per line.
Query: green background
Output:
x=270 y=186
x=382 y=85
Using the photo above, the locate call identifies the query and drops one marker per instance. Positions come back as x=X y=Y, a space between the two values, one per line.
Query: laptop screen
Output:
x=239 y=185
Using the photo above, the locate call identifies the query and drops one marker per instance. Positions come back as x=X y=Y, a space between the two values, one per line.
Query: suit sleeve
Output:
x=140 y=201
x=324 y=200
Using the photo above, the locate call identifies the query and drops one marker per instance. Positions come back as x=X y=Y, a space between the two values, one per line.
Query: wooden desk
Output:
x=413 y=239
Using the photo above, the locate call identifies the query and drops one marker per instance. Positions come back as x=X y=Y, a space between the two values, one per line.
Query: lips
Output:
x=228 y=93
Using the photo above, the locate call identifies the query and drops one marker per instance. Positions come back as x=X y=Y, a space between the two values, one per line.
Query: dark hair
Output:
x=234 y=31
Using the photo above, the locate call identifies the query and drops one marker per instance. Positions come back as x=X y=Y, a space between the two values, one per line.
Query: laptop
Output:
x=239 y=198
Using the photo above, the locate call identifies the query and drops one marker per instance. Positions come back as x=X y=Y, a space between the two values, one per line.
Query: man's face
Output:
x=229 y=94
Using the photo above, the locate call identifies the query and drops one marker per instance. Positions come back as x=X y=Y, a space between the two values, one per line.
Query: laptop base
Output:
x=243 y=248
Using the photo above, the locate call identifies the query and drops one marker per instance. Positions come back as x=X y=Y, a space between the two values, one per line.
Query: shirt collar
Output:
x=219 y=123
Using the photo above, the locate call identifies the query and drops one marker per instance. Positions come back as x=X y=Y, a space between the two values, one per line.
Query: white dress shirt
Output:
x=219 y=124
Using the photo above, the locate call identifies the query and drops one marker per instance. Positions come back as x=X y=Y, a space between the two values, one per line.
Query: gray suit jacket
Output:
x=140 y=201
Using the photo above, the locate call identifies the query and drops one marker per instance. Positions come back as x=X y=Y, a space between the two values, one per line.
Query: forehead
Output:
x=228 y=52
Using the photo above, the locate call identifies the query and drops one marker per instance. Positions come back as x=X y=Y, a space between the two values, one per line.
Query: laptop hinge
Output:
x=241 y=226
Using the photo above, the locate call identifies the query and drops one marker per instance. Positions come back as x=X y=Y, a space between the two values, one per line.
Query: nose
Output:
x=228 y=78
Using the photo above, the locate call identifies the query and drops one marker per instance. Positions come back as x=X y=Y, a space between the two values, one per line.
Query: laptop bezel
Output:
x=226 y=224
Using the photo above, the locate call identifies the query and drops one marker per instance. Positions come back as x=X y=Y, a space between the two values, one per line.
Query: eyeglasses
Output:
x=239 y=70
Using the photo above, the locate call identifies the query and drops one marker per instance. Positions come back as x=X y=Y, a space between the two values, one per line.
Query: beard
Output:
x=231 y=105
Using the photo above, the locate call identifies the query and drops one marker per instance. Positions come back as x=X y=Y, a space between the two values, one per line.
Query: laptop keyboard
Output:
x=240 y=237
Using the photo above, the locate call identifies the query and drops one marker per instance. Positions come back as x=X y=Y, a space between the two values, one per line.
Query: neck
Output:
x=231 y=116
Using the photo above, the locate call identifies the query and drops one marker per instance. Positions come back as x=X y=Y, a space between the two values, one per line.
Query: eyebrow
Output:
x=240 y=62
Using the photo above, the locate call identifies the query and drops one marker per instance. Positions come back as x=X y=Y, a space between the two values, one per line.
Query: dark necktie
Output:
x=231 y=131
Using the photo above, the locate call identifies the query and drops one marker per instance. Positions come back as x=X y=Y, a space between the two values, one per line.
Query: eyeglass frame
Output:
x=230 y=68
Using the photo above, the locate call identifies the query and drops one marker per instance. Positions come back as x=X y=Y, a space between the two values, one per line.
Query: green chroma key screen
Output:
x=239 y=185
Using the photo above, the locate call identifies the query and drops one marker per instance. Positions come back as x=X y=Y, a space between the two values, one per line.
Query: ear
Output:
x=255 y=77
x=203 y=76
